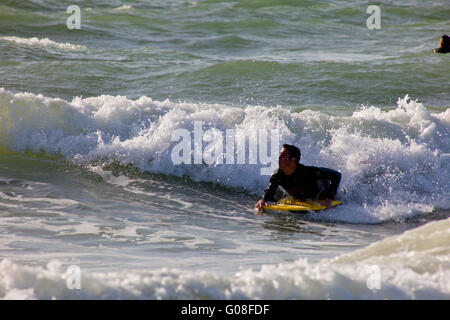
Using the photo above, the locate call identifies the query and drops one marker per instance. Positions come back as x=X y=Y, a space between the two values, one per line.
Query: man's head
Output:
x=288 y=159
x=445 y=41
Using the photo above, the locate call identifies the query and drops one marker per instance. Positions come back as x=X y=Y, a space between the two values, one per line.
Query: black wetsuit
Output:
x=442 y=50
x=304 y=183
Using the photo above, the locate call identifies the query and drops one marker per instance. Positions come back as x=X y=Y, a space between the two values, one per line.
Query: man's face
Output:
x=284 y=159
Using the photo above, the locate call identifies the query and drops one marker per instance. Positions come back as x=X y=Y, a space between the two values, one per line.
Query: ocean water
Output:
x=93 y=204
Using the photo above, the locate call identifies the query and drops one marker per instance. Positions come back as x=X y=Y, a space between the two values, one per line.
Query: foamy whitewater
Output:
x=137 y=136
x=413 y=265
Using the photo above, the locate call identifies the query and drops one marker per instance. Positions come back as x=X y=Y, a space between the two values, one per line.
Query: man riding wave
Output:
x=300 y=181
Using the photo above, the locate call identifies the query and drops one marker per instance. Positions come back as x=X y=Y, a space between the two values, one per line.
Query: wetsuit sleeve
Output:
x=334 y=177
x=269 y=193
x=442 y=50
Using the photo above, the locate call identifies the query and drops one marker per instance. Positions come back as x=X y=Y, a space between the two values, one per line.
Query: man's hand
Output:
x=260 y=205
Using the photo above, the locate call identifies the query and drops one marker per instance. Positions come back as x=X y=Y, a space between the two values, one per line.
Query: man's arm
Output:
x=269 y=193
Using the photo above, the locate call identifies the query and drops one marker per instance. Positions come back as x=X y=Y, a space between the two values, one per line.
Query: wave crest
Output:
x=44 y=43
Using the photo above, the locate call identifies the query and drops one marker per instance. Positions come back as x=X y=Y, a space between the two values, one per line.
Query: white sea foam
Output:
x=413 y=265
x=394 y=163
x=44 y=43
x=122 y=8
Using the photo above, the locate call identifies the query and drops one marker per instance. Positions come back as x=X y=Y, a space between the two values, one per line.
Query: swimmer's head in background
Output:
x=445 y=41
x=444 y=45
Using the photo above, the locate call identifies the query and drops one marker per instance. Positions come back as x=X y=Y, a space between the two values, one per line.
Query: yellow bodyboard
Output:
x=295 y=205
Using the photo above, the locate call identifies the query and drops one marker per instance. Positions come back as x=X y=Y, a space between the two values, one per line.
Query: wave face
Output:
x=395 y=163
x=413 y=265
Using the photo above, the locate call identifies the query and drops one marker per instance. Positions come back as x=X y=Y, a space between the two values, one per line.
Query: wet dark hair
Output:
x=294 y=152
